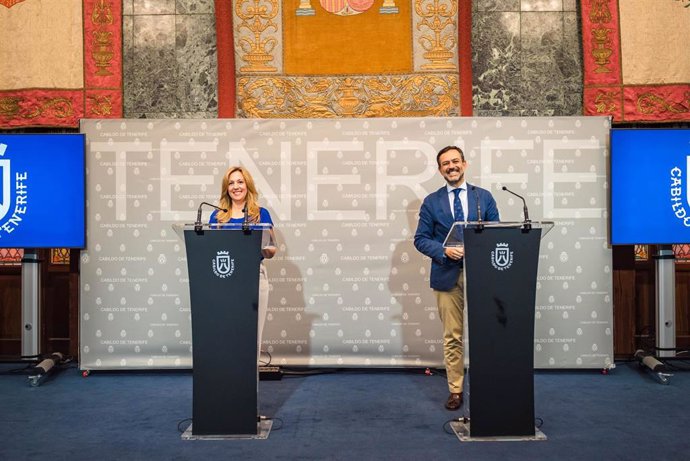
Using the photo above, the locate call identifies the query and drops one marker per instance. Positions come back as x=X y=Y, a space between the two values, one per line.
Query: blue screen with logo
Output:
x=42 y=202
x=650 y=197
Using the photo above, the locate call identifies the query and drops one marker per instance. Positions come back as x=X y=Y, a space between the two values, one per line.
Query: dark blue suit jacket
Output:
x=435 y=220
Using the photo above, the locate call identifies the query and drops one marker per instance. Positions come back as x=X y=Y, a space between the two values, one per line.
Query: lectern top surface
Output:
x=455 y=237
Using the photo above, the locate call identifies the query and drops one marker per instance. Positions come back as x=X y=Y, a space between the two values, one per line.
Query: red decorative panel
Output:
x=682 y=253
x=11 y=255
x=101 y=93
x=646 y=90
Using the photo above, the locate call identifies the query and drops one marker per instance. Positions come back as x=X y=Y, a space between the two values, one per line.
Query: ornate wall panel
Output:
x=346 y=58
x=60 y=61
x=526 y=58
x=636 y=69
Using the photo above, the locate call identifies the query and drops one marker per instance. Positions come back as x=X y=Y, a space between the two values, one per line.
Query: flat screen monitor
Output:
x=650 y=197
x=42 y=184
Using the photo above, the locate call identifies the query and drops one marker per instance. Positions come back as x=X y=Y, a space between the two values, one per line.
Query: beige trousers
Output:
x=451 y=305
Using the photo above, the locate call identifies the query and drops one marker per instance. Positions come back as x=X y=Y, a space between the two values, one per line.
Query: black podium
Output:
x=501 y=261
x=223 y=263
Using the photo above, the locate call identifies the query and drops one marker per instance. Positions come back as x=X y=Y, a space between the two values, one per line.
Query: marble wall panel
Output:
x=154 y=6
x=150 y=68
x=572 y=103
x=571 y=60
x=196 y=53
x=194 y=7
x=538 y=71
x=569 y=5
x=541 y=5
x=496 y=62
x=542 y=79
x=169 y=59
x=496 y=5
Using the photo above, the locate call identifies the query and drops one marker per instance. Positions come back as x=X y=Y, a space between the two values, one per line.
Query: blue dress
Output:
x=264 y=218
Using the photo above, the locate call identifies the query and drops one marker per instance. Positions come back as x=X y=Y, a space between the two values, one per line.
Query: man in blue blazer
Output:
x=456 y=201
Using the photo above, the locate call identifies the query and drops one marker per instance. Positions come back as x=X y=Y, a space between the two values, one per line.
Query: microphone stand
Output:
x=526 y=224
x=480 y=223
x=245 y=222
x=197 y=224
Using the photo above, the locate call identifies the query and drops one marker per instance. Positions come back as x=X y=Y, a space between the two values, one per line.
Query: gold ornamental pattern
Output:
x=437 y=22
x=607 y=102
x=602 y=50
x=255 y=45
x=19 y=108
x=102 y=53
x=650 y=103
x=367 y=96
x=99 y=106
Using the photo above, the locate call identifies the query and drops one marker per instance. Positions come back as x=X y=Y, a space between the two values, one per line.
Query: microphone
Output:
x=245 y=222
x=197 y=223
x=524 y=207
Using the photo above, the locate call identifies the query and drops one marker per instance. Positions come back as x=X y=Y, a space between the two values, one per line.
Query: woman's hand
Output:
x=268 y=252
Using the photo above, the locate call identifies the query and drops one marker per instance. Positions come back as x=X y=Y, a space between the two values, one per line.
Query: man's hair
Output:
x=446 y=149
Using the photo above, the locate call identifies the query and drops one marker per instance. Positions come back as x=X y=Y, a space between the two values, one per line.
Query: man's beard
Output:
x=455 y=181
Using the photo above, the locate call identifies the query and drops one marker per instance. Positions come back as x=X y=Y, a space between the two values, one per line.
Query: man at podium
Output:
x=241 y=200
x=456 y=201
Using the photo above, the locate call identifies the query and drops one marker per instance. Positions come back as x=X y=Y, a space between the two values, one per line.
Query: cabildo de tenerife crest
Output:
x=223 y=265
x=502 y=257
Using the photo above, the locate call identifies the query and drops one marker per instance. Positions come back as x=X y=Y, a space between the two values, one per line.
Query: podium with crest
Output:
x=223 y=263
x=501 y=261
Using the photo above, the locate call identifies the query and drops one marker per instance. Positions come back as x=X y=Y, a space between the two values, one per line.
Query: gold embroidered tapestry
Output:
x=348 y=58
x=637 y=65
x=60 y=60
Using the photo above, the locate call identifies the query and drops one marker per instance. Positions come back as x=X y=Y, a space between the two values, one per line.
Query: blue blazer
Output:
x=435 y=220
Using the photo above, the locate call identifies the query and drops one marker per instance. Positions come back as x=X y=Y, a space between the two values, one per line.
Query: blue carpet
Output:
x=351 y=415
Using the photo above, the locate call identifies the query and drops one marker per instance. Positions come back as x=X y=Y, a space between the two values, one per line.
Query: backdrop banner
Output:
x=348 y=287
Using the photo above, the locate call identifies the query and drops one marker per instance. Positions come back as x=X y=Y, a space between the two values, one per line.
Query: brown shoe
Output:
x=454 y=401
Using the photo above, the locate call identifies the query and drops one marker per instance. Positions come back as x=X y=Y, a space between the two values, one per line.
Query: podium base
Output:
x=264 y=429
x=462 y=431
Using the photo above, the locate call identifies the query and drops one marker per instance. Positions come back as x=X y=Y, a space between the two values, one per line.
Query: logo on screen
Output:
x=223 y=265
x=502 y=257
x=678 y=205
x=11 y=213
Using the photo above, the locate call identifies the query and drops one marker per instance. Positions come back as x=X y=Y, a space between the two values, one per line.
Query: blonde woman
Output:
x=238 y=195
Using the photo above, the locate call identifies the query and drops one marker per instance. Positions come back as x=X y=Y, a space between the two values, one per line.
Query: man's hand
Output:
x=455 y=253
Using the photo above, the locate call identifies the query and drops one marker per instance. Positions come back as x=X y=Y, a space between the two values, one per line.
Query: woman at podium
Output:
x=240 y=198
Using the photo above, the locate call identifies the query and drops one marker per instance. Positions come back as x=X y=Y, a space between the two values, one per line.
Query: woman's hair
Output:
x=252 y=196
